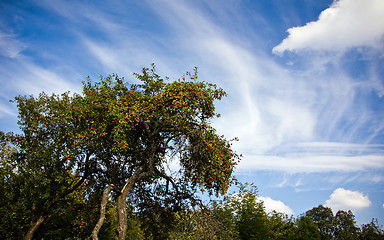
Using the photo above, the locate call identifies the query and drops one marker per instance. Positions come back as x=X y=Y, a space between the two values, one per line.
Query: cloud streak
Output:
x=9 y=45
x=311 y=163
x=271 y=106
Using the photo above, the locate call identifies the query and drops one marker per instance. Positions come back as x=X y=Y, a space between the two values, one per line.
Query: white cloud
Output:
x=342 y=199
x=268 y=203
x=275 y=205
x=345 y=24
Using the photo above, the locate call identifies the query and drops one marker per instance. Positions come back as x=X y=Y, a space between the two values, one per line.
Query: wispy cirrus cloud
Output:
x=25 y=77
x=5 y=110
x=272 y=108
x=10 y=46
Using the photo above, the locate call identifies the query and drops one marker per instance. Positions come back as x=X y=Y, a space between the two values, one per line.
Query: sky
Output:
x=305 y=81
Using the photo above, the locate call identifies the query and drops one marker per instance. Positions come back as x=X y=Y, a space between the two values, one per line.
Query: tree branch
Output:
x=103 y=205
x=55 y=200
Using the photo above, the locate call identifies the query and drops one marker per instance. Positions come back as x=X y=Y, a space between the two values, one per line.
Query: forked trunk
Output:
x=121 y=208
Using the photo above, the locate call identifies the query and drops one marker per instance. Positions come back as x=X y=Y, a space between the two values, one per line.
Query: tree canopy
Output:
x=121 y=134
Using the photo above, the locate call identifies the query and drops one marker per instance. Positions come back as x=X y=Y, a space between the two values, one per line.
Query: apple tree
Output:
x=120 y=136
x=139 y=128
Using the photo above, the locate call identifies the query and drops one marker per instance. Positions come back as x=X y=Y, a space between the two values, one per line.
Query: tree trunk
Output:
x=103 y=205
x=122 y=227
x=34 y=226
x=121 y=208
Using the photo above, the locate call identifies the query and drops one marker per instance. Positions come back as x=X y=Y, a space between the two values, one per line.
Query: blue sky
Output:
x=305 y=80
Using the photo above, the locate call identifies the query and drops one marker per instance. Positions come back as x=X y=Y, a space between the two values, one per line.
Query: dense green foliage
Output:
x=240 y=216
x=244 y=217
x=95 y=165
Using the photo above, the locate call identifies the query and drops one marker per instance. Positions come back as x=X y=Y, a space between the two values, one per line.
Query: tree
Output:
x=247 y=213
x=141 y=127
x=324 y=220
x=197 y=224
x=280 y=226
x=49 y=166
x=16 y=204
x=118 y=136
x=73 y=218
x=371 y=231
x=11 y=203
x=345 y=225
x=224 y=214
x=306 y=229
x=340 y=226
